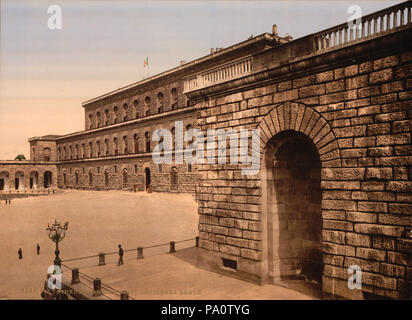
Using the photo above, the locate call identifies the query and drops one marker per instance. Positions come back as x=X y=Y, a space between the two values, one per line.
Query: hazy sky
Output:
x=46 y=74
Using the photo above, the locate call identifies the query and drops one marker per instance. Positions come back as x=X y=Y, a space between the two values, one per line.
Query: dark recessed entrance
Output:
x=294 y=211
x=147 y=177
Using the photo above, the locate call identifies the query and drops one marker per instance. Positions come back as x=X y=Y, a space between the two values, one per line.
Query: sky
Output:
x=46 y=74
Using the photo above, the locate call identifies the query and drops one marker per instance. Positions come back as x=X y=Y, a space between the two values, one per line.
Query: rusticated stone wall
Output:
x=357 y=117
x=126 y=162
x=133 y=168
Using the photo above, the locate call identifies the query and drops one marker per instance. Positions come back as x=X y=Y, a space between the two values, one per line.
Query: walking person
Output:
x=20 y=252
x=120 y=255
x=38 y=249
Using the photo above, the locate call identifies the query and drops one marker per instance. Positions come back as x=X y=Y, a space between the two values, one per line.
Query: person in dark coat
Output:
x=38 y=249
x=120 y=255
x=20 y=252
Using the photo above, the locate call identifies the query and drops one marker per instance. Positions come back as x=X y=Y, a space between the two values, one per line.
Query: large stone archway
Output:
x=47 y=179
x=296 y=142
x=19 y=183
x=4 y=181
x=34 y=179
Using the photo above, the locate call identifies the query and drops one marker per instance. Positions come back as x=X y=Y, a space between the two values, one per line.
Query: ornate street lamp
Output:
x=56 y=233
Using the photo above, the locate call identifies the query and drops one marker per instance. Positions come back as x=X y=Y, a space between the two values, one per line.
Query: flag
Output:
x=146 y=62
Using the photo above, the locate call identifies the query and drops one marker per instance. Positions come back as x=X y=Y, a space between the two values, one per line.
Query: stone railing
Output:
x=28 y=191
x=226 y=72
x=372 y=25
x=83 y=287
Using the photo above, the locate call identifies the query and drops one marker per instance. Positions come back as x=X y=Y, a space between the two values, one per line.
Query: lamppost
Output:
x=56 y=233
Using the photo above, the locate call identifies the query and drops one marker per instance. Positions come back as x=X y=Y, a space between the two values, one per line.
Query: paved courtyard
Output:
x=174 y=276
x=98 y=222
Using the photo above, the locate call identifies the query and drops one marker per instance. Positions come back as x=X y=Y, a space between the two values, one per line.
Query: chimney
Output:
x=212 y=50
x=275 y=30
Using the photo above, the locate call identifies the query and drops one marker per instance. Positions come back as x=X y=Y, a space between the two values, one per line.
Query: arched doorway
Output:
x=125 y=178
x=34 y=179
x=4 y=180
x=19 y=180
x=106 y=178
x=147 y=177
x=90 y=178
x=173 y=179
x=294 y=219
x=76 y=178
x=47 y=179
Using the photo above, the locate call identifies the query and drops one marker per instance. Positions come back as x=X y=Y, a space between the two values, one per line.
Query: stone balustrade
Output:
x=226 y=72
x=372 y=25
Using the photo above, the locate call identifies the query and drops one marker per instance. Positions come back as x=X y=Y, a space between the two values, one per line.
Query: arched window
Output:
x=70 y=152
x=124 y=176
x=125 y=147
x=46 y=154
x=64 y=153
x=189 y=127
x=106 y=146
x=136 y=105
x=76 y=148
x=147 y=103
x=98 y=148
x=83 y=150
x=90 y=149
x=59 y=153
x=115 y=109
x=116 y=145
x=125 y=112
x=106 y=117
x=147 y=138
x=64 y=178
x=98 y=116
x=136 y=143
x=161 y=143
x=159 y=102
x=90 y=121
x=173 y=179
x=173 y=96
x=76 y=175
x=90 y=178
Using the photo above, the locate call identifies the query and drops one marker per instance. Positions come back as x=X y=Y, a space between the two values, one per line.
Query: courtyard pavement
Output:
x=175 y=276
x=98 y=222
